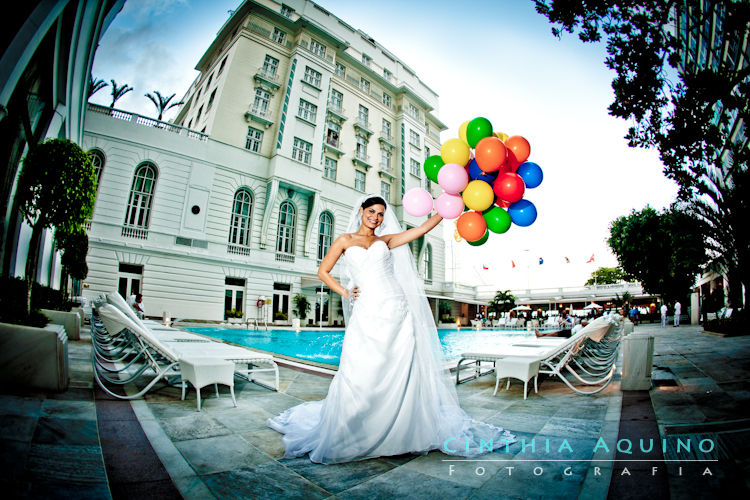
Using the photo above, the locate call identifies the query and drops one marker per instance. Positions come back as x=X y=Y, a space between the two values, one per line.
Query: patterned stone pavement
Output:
x=51 y=444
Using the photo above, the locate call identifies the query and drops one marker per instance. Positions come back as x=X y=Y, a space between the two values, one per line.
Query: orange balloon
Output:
x=519 y=150
x=471 y=226
x=490 y=154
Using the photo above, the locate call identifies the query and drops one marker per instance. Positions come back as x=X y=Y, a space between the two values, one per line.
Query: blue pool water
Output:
x=324 y=346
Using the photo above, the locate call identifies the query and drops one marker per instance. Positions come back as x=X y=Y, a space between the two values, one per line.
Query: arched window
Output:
x=325 y=234
x=138 y=213
x=97 y=159
x=239 y=229
x=427 y=263
x=287 y=223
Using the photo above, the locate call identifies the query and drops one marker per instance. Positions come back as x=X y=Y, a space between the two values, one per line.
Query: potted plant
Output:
x=301 y=306
x=233 y=315
x=280 y=317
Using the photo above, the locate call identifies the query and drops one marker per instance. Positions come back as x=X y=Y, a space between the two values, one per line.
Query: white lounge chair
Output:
x=593 y=351
x=145 y=350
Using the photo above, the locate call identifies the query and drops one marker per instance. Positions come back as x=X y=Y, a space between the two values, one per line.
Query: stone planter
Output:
x=34 y=358
x=70 y=320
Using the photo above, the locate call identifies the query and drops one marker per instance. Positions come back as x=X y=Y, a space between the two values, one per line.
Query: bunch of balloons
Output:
x=484 y=176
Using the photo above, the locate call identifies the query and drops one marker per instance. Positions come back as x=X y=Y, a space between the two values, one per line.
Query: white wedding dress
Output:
x=385 y=398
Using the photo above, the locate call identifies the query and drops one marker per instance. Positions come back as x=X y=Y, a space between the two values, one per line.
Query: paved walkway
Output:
x=52 y=447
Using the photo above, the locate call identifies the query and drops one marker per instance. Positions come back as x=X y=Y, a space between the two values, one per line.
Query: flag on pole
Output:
x=591 y=259
x=567 y=260
x=541 y=261
x=513 y=263
x=484 y=266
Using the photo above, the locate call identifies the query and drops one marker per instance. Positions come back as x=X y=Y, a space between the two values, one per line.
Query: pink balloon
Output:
x=453 y=178
x=449 y=206
x=418 y=202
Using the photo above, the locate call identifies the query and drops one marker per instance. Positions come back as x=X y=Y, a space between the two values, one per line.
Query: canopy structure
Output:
x=521 y=308
x=593 y=305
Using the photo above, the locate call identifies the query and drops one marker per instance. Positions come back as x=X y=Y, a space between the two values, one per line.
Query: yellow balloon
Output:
x=457 y=236
x=455 y=151
x=501 y=136
x=478 y=195
x=462 y=132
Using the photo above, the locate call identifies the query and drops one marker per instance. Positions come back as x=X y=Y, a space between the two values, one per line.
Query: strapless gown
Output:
x=382 y=401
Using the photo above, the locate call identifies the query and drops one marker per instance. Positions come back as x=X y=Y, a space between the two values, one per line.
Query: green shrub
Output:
x=280 y=315
x=13 y=304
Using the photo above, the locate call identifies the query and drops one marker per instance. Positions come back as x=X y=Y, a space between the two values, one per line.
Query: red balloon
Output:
x=519 y=150
x=490 y=154
x=471 y=226
x=509 y=187
x=501 y=203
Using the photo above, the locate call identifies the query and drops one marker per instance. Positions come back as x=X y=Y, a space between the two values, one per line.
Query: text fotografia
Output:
x=625 y=446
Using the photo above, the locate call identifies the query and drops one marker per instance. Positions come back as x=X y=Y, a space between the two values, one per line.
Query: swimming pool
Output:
x=324 y=346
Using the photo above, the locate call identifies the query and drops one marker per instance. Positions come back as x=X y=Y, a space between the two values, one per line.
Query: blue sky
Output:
x=495 y=59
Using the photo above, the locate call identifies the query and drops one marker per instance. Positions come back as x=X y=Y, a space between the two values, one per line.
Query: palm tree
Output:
x=503 y=302
x=162 y=103
x=95 y=85
x=118 y=92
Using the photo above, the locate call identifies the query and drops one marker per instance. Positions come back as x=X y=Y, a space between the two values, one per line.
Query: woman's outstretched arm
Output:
x=324 y=271
x=398 y=239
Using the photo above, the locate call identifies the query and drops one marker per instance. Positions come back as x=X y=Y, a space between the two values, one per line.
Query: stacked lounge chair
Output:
x=589 y=356
x=127 y=348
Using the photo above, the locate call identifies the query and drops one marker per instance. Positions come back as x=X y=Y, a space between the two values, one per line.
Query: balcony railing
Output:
x=267 y=33
x=271 y=78
x=284 y=257
x=238 y=249
x=148 y=122
x=140 y=233
x=363 y=125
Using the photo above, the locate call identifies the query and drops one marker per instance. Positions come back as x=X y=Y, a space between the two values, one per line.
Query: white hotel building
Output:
x=294 y=115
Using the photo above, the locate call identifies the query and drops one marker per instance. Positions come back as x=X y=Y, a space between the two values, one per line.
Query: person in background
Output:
x=677 y=312
x=664 y=315
x=138 y=306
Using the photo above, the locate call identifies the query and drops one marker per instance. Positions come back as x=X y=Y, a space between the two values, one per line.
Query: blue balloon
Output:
x=531 y=173
x=522 y=213
x=477 y=174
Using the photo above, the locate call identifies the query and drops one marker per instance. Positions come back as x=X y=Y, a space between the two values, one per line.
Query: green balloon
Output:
x=480 y=241
x=432 y=165
x=498 y=220
x=478 y=129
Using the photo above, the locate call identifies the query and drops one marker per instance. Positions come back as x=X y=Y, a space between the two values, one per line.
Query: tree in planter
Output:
x=73 y=245
x=57 y=188
x=301 y=306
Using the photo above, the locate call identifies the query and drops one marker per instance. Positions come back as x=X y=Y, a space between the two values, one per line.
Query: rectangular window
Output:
x=386 y=130
x=337 y=99
x=340 y=70
x=427 y=152
x=387 y=100
x=270 y=65
x=221 y=66
x=414 y=139
x=332 y=134
x=415 y=168
x=307 y=110
x=278 y=36
x=302 y=150
x=286 y=11
x=312 y=77
x=361 y=151
x=413 y=111
x=366 y=60
x=211 y=100
x=387 y=75
x=254 y=138
x=317 y=48
x=385 y=191
x=359 y=180
x=260 y=104
x=329 y=171
x=362 y=116
x=209 y=81
x=198 y=114
x=364 y=86
x=385 y=160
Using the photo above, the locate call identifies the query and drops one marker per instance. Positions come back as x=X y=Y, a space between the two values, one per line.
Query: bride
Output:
x=391 y=394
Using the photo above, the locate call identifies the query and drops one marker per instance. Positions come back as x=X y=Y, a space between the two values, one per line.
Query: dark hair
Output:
x=138 y=297
x=375 y=200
